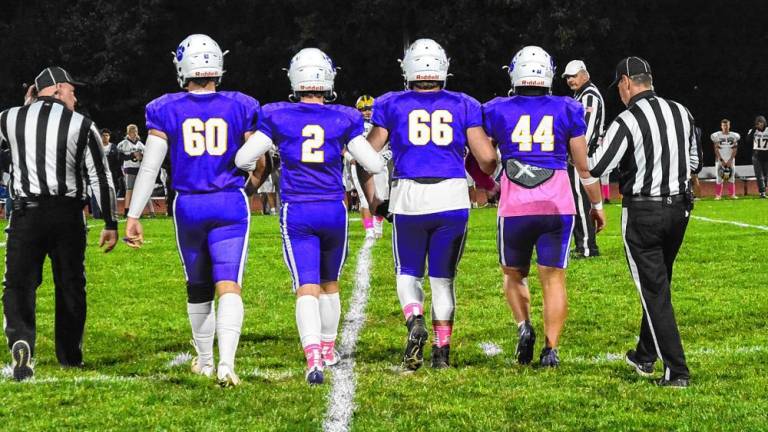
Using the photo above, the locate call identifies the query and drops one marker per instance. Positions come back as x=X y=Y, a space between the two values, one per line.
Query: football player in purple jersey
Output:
x=536 y=132
x=428 y=128
x=311 y=136
x=202 y=129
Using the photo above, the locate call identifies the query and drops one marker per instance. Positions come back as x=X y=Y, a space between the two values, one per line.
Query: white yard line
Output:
x=341 y=399
x=738 y=224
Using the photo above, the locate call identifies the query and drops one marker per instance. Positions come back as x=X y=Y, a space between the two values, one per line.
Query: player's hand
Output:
x=134 y=233
x=381 y=208
x=108 y=240
x=598 y=218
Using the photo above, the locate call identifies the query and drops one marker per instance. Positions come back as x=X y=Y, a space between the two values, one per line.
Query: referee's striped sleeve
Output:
x=100 y=178
x=608 y=155
x=590 y=118
x=694 y=156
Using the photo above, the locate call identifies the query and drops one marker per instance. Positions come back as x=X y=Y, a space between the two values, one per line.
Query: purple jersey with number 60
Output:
x=427 y=131
x=311 y=138
x=534 y=129
x=204 y=131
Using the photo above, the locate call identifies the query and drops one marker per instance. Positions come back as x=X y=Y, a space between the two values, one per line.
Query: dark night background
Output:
x=708 y=55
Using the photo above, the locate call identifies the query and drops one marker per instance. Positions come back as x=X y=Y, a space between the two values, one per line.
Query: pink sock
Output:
x=413 y=309
x=718 y=189
x=313 y=355
x=367 y=223
x=606 y=191
x=442 y=335
x=732 y=189
x=326 y=349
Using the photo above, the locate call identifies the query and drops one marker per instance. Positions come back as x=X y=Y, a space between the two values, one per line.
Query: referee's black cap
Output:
x=631 y=66
x=54 y=75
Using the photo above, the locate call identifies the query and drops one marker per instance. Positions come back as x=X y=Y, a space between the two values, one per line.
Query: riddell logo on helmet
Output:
x=427 y=77
x=532 y=83
x=311 y=88
x=206 y=74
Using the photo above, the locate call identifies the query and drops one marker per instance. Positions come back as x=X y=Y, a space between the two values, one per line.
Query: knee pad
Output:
x=443 y=298
x=200 y=292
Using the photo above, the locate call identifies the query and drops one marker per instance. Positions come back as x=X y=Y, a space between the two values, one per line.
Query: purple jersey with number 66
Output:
x=534 y=129
x=427 y=131
x=310 y=139
x=204 y=131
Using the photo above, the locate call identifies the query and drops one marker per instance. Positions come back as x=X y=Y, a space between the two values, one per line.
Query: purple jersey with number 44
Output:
x=310 y=139
x=204 y=131
x=534 y=129
x=427 y=131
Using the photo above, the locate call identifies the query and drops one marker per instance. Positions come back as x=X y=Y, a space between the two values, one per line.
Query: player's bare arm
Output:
x=482 y=148
x=578 y=147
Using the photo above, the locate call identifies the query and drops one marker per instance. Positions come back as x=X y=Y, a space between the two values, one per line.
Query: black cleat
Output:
x=22 y=361
x=674 y=383
x=549 y=358
x=526 y=339
x=414 y=346
x=440 y=356
x=644 y=369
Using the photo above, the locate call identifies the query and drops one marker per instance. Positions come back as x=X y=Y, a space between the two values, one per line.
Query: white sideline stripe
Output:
x=738 y=224
x=617 y=357
x=341 y=399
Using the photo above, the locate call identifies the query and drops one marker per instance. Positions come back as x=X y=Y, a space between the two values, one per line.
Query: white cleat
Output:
x=333 y=360
x=227 y=377
x=206 y=370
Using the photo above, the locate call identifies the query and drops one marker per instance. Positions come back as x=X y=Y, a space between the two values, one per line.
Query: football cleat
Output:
x=762 y=195
x=226 y=377
x=23 y=366
x=315 y=376
x=206 y=370
x=644 y=369
x=413 y=357
x=549 y=358
x=674 y=383
x=333 y=359
x=440 y=356
x=526 y=339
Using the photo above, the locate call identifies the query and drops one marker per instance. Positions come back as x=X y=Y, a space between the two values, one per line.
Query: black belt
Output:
x=22 y=203
x=671 y=199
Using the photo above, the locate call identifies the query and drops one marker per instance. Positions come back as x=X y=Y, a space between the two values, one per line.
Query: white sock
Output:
x=330 y=313
x=309 y=324
x=443 y=298
x=202 y=318
x=409 y=290
x=228 y=325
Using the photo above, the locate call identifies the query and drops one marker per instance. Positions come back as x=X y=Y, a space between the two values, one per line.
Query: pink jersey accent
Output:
x=553 y=197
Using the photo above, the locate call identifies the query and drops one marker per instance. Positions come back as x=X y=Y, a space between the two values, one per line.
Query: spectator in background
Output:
x=759 y=137
x=114 y=159
x=132 y=150
x=726 y=145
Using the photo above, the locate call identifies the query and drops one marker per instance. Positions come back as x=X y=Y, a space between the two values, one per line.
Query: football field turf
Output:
x=137 y=378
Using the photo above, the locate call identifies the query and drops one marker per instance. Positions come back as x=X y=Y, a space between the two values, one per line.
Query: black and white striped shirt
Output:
x=653 y=144
x=53 y=150
x=594 y=114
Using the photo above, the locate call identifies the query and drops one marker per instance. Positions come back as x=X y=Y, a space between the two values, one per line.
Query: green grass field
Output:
x=137 y=325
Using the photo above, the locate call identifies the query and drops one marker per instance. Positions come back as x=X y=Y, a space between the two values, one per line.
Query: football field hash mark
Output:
x=738 y=224
x=341 y=399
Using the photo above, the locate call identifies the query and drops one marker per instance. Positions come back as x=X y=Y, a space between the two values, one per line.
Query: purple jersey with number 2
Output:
x=311 y=139
x=427 y=131
x=204 y=131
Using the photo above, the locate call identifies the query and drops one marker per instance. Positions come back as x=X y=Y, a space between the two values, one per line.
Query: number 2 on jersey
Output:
x=199 y=136
x=310 y=148
x=543 y=134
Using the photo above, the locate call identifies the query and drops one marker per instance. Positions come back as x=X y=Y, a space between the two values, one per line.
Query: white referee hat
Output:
x=573 y=67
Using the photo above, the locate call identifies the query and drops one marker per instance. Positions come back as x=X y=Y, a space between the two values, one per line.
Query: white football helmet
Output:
x=311 y=70
x=198 y=56
x=425 y=60
x=531 y=67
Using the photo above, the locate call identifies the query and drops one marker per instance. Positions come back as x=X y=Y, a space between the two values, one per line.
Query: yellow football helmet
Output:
x=364 y=102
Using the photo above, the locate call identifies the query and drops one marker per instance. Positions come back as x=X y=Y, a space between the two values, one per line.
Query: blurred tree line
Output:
x=707 y=55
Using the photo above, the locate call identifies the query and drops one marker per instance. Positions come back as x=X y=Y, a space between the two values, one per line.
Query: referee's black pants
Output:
x=653 y=233
x=54 y=227
x=584 y=235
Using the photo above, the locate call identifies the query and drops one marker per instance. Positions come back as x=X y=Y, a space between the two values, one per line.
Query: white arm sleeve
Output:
x=256 y=146
x=154 y=154
x=365 y=155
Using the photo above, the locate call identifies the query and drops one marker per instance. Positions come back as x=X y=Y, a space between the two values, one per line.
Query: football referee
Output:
x=53 y=150
x=653 y=144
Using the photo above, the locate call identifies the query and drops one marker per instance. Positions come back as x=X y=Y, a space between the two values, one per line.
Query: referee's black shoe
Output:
x=674 y=383
x=644 y=369
x=22 y=360
x=526 y=339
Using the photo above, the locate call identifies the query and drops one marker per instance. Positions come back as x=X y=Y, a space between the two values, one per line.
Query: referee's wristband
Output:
x=597 y=206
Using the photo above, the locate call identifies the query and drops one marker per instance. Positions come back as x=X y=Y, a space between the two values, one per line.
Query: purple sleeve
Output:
x=357 y=124
x=155 y=118
x=252 y=113
x=380 y=113
x=265 y=123
x=474 y=112
x=577 y=126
